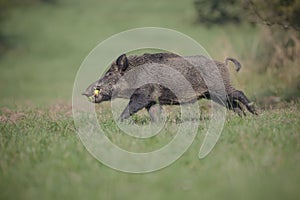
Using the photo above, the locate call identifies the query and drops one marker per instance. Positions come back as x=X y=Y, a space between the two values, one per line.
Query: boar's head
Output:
x=102 y=89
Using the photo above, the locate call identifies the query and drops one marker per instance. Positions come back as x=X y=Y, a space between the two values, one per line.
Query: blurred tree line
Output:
x=285 y=13
x=279 y=48
x=219 y=12
x=282 y=17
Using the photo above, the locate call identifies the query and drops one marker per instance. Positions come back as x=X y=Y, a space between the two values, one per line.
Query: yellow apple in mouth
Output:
x=96 y=92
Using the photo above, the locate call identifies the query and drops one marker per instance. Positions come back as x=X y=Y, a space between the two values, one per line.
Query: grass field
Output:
x=255 y=158
x=42 y=157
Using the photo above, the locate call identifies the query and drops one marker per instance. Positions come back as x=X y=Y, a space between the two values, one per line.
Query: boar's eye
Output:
x=97 y=88
x=108 y=74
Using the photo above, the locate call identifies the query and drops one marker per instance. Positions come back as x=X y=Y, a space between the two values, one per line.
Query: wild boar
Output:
x=149 y=95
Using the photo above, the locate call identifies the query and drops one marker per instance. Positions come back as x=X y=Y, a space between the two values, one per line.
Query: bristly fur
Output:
x=198 y=70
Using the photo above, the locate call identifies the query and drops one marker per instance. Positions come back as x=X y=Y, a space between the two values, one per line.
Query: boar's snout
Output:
x=94 y=98
x=93 y=93
x=85 y=93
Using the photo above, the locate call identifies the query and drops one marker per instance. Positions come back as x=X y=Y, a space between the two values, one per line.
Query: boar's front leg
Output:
x=155 y=112
x=136 y=103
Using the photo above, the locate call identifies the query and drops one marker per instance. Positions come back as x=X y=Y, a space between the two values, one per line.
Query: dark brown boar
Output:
x=206 y=77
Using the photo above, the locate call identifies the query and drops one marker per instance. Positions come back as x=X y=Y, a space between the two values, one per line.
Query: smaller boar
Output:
x=150 y=95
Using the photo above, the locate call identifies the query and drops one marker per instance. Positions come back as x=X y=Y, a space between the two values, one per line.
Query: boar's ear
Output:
x=122 y=62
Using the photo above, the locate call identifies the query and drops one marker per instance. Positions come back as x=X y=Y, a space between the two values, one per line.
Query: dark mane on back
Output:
x=135 y=60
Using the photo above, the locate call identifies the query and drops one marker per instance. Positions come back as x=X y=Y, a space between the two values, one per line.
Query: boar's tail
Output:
x=237 y=64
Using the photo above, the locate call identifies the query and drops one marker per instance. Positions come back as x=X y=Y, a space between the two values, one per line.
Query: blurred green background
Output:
x=42 y=45
x=44 y=42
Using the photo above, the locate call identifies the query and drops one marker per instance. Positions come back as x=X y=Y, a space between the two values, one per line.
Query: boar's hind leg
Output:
x=236 y=107
x=136 y=103
x=240 y=96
